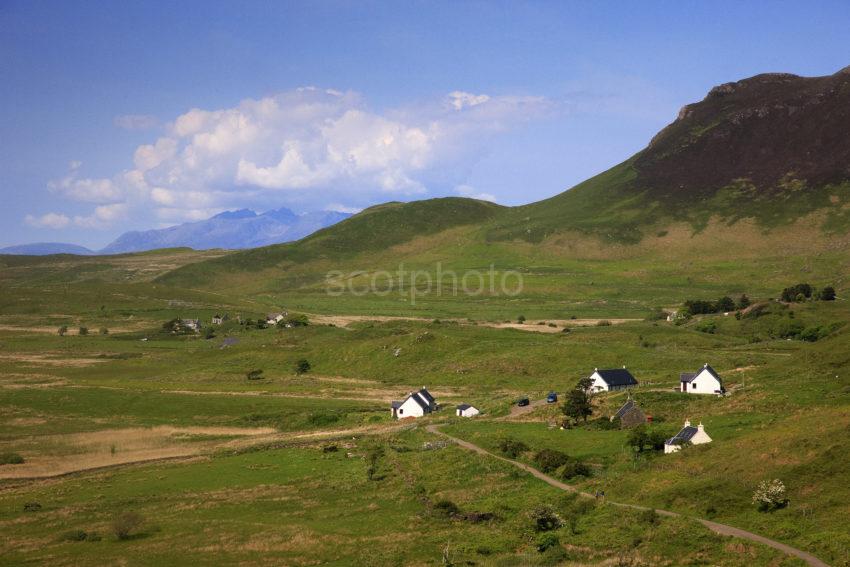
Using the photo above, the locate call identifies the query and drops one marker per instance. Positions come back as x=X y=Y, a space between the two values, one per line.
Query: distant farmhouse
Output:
x=219 y=319
x=609 y=380
x=193 y=324
x=275 y=318
x=630 y=415
x=466 y=410
x=416 y=404
x=689 y=435
x=705 y=381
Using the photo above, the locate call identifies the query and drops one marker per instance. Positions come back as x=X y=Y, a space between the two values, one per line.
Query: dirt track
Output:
x=722 y=529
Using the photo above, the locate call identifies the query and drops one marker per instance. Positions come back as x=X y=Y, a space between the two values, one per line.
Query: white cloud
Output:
x=49 y=220
x=472 y=193
x=308 y=145
x=104 y=216
x=336 y=207
x=136 y=121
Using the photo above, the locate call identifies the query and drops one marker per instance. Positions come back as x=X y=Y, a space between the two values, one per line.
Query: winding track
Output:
x=722 y=529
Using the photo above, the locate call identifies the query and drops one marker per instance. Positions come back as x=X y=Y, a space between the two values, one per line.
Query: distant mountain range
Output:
x=231 y=229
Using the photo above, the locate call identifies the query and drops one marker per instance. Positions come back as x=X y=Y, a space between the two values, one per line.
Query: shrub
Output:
x=549 y=460
x=255 y=374
x=546 y=541
x=330 y=449
x=726 y=304
x=11 y=459
x=84 y=331
x=302 y=366
x=320 y=418
x=650 y=517
x=74 y=535
x=126 y=523
x=574 y=468
x=770 y=495
x=446 y=508
x=744 y=302
x=709 y=327
x=796 y=293
x=297 y=321
x=62 y=330
x=565 y=330
x=520 y=319
x=32 y=507
x=545 y=519
x=104 y=331
x=512 y=448
x=603 y=323
x=827 y=294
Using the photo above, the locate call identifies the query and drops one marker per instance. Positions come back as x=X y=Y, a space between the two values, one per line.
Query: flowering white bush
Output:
x=770 y=495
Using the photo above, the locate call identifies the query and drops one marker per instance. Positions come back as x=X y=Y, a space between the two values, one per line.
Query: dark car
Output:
x=551 y=398
x=522 y=402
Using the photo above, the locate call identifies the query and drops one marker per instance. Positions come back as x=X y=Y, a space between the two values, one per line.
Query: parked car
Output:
x=522 y=402
x=551 y=398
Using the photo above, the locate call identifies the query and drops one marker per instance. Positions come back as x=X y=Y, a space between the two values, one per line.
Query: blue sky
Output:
x=132 y=115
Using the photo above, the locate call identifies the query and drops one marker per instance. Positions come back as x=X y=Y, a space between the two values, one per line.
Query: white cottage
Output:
x=275 y=318
x=613 y=379
x=706 y=381
x=416 y=404
x=689 y=435
x=466 y=410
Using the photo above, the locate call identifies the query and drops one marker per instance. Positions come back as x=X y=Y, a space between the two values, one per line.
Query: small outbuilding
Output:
x=629 y=415
x=466 y=410
x=217 y=319
x=704 y=381
x=416 y=404
x=689 y=435
x=275 y=318
x=612 y=379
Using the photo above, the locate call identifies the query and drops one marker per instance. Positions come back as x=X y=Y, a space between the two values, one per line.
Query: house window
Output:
x=400 y=411
x=694 y=385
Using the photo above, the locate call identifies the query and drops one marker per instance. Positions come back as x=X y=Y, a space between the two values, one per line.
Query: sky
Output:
x=119 y=116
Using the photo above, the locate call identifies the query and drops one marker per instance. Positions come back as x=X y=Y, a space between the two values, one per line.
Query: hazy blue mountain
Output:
x=231 y=229
x=45 y=248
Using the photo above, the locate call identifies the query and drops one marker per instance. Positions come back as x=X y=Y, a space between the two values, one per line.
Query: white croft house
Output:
x=705 y=381
x=416 y=404
x=275 y=318
x=466 y=410
x=689 y=435
x=613 y=379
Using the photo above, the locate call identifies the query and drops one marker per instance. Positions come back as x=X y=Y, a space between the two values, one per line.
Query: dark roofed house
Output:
x=612 y=379
x=688 y=435
x=705 y=381
x=416 y=404
x=629 y=415
x=466 y=410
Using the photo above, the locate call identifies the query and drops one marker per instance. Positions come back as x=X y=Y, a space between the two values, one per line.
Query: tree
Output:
x=209 y=333
x=62 y=330
x=638 y=438
x=726 y=304
x=770 y=495
x=84 y=331
x=827 y=294
x=545 y=519
x=256 y=374
x=744 y=302
x=578 y=403
x=126 y=523
x=548 y=460
x=302 y=366
x=512 y=448
x=520 y=319
x=796 y=293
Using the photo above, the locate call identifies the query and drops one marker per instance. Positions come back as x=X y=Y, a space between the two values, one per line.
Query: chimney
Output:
x=700 y=427
x=687 y=423
x=596 y=370
x=624 y=367
x=705 y=365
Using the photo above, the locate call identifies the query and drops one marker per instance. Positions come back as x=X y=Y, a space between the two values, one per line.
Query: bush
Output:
x=126 y=523
x=827 y=294
x=62 y=330
x=74 y=535
x=84 y=331
x=574 y=468
x=520 y=319
x=32 y=507
x=302 y=366
x=11 y=459
x=603 y=323
x=104 y=331
x=744 y=302
x=650 y=517
x=330 y=449
x=545 y=519
x=770 y=495
x=446 y=508
x=796 y=293
x=322 y=418
x=709 y=327
x=548 y=460
x=256 y=374
x=512 y=448
x=546 y=541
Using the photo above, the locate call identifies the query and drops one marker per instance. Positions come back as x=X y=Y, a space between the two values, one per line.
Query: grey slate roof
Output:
x=683 y=436
x=396 y=405
x=617 y=377
x=626 y=407
x=418 y=399
x=427 y=395
x=688 y=376
x=463 y=407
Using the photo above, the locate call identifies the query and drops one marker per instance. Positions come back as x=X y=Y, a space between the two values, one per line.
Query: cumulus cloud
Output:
x=473 y=193
x=308 y=145
x=136 y=121
x=49 y=220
